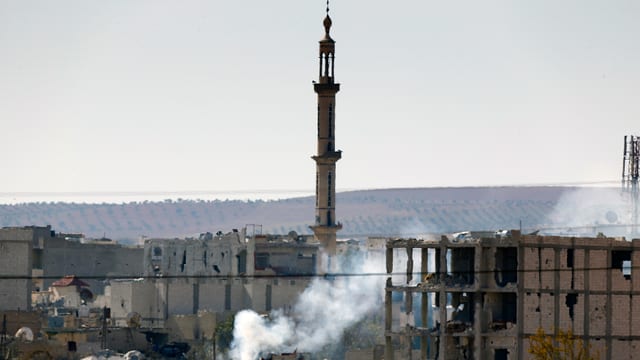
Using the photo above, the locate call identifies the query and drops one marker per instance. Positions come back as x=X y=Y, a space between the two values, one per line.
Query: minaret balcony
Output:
x=326 y=86
x=328 y=156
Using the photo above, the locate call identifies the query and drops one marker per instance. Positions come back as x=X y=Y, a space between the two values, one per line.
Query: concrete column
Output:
x=443 y=302
x=424 y=304
x=388 y=320
x=409 y=264
x=477 y=327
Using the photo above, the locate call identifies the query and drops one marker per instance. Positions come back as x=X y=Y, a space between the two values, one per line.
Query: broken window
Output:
x=501 y=354
x=571 y=300
x=621 y=260
x=506 y=270
x=504 y=309
x=184 y=261
x=157 y=253
x=262 y=261
x=460 y=266
x=570 y=258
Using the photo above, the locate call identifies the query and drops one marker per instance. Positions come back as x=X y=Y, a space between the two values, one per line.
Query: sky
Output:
x=196 y=96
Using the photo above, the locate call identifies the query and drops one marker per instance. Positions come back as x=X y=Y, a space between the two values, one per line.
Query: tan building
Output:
x=221 y=274
x=493 y=290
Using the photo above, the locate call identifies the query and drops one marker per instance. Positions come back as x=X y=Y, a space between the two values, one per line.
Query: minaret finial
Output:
x=327 y=22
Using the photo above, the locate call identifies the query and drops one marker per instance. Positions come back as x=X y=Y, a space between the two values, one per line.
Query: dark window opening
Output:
x=204 y=258
x=216 y=269
x=621 y=260
x=242 y=262
x=262 y=261
x=501 y=354
x=571 y=300
x=462 y=262
x=508 y=309
x=506 y=266
x=157 y=251
x=184 y=261
x=570 y=258
x=330 y=121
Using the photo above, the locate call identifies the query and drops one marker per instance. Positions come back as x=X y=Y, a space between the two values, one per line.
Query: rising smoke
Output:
x=319 y=317
x=591 y=210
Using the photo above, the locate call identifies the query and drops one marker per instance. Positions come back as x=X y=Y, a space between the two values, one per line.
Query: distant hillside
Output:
x=368 y=212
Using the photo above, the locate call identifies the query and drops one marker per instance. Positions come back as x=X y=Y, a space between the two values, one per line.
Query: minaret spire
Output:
x=326 y=226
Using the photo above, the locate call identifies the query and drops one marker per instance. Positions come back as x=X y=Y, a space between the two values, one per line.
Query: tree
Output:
x=224 y=334
x=564 y=346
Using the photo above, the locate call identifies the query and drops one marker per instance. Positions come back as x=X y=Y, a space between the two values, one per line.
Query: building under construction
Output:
x=482 y=295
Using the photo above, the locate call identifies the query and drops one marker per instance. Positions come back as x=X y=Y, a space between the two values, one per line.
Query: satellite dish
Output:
x=611 y=216
x=133 y=355
x=24 y=334
x=86 y=295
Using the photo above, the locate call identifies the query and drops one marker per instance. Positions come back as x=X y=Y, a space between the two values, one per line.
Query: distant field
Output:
x=369 y=212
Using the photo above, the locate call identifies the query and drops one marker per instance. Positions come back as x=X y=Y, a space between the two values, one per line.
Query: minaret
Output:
x=326 y=226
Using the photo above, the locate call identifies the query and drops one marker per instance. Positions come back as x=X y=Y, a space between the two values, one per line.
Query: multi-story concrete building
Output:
x=481 y=296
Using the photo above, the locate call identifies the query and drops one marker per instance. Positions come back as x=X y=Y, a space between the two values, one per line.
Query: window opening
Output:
x=621 y=260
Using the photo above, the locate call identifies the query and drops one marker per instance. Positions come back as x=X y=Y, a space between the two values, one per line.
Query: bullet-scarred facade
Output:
x=482 y=295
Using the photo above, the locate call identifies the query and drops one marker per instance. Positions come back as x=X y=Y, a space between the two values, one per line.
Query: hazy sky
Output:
x=154 y=95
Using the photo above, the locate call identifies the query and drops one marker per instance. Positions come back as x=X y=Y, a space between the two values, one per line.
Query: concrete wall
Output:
x=91 y=262
x=15 y=268
x=579 y=284
x=209 y=255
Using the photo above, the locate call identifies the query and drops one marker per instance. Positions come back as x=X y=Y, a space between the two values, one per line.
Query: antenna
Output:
x=631 y=175
x=327 y=7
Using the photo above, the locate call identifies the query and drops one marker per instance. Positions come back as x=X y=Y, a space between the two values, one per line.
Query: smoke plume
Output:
x=319 y=317
x=592 y=210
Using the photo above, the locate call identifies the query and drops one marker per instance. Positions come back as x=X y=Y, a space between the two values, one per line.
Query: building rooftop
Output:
x=70 y=280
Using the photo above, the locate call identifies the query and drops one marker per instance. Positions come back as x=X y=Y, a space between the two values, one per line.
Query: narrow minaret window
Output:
x=330 y=120
x=326 y=226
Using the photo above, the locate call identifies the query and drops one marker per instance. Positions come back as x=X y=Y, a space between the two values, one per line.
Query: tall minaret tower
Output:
x=326 y=226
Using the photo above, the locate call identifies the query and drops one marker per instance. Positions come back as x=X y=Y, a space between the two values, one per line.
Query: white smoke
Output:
x=319 y=317
x=602 y=209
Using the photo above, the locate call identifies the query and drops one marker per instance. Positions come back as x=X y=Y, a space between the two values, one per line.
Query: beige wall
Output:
x=15 y=266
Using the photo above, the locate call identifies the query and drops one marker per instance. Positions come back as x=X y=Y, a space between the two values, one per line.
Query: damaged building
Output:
x=482 y=295
x=220 y=273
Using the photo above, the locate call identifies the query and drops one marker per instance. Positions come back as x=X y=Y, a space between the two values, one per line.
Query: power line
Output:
x=312 y=276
